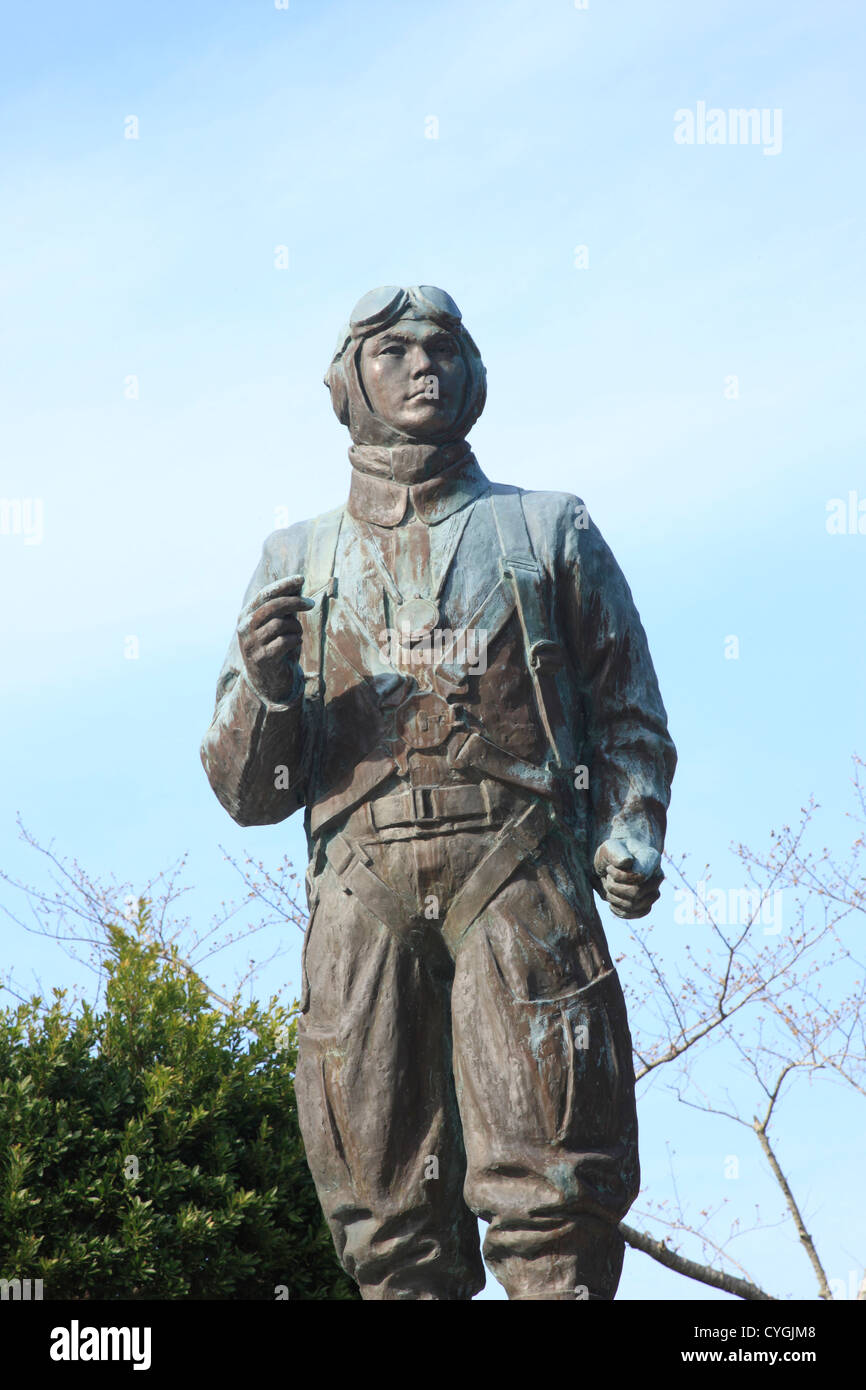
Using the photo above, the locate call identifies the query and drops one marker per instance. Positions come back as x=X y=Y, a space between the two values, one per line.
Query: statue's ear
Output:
x=335 y=380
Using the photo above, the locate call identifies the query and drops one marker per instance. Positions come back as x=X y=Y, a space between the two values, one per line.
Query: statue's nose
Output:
x=420 y=360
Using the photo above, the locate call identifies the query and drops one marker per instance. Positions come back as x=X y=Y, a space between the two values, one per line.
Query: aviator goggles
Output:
x=385 y=305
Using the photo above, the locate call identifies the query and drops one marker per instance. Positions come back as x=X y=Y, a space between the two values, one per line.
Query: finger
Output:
x=632 y=912
x=287 y=606
x=623 y=876
x=275 y=608
x=641 y=906
x=623 y=912
x=637 y=873
x=631 y=894
x=632 y=890
x=627 y=892
x=281 y=588
x=633 y=902
x=616 y=900
x=278 y=626
x=283 y=646
x=615 y=853
x=634 y=896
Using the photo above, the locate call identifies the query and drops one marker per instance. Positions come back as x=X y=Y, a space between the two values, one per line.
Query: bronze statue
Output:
x=450 y=676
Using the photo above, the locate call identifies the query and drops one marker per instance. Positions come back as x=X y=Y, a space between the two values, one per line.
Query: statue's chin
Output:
x=423 y=425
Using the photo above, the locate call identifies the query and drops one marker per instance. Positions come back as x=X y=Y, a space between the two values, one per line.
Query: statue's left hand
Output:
x=630 y=875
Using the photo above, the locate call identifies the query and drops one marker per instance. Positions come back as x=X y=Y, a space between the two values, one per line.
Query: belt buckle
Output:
x=419 y=808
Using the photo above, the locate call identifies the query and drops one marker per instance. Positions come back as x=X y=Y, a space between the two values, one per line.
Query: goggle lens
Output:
x=386 y=303
x=438 y=300
x=377 y=305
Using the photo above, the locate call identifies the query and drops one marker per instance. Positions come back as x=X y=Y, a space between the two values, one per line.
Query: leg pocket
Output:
x=577 y=1056
x=543 y=941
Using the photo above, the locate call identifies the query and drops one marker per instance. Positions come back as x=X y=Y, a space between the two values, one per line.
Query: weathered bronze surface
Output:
x=450 y=676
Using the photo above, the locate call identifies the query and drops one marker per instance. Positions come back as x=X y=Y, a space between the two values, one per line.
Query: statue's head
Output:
x=405 y=370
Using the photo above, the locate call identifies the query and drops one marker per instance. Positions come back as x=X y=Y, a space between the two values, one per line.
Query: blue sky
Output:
x=154 y=258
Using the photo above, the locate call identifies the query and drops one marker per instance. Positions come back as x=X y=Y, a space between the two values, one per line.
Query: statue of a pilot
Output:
x=450 y=676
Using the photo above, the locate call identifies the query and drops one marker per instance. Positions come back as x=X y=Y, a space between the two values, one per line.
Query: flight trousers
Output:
x=497 y=1082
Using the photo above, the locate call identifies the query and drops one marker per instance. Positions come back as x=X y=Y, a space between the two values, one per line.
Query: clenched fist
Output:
x=630 y=875
x=269 y=636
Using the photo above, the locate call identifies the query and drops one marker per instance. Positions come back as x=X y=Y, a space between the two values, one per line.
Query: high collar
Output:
x=383 y=500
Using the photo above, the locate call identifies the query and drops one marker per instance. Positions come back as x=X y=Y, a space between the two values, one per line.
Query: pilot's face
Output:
x=415 y=376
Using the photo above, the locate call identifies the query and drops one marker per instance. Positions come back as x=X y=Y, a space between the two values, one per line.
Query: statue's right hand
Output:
x=269 y=636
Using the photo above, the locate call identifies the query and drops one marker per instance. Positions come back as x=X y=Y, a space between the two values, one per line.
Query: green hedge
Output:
x=152 y=1150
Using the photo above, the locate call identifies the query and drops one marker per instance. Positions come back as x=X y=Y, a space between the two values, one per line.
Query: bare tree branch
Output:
x=805 y=1238
x=717 y=1279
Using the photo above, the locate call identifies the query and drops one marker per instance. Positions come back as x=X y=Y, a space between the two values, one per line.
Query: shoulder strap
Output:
x=322 y=551
x=319 y=579
x=519 y=566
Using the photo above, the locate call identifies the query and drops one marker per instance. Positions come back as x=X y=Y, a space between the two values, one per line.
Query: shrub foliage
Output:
x=152 y=1149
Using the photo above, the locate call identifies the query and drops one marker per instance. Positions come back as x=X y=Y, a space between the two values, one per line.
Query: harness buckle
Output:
x=546 y=656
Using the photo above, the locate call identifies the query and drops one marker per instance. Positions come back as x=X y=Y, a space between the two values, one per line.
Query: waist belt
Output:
x=416 y=805
x=515 y=841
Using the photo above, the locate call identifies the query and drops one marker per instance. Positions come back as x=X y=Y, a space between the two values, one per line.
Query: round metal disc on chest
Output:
x=424 y=720
x=415 y=618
